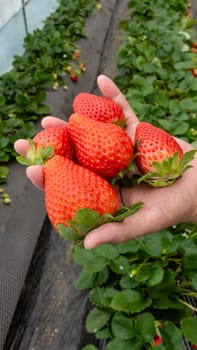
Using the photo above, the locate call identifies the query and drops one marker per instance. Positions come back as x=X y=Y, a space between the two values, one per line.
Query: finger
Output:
x=51 y=122
x=21 y=146
x=184 y=145
x=146 y=221
x=36 y=174
x=110 y=90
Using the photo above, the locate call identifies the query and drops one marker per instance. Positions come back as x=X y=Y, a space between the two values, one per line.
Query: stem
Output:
x=187 y=304
x=189 y=293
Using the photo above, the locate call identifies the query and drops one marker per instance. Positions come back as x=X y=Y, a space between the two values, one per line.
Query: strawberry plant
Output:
x=140 y=288
x=48 y=52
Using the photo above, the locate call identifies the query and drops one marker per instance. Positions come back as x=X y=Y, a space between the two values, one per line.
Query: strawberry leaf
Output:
x=87 y=219
x=67 y=232
x=188 y=326
x=36 y=156
x=167 y=172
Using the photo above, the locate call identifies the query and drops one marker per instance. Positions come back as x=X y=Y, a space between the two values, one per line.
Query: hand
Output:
x=162 y=208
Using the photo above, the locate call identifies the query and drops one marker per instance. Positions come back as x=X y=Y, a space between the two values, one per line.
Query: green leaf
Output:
x=117 y=344
x=130 y=301
x=85 y=280
x=4 y=172
x=144 y=326
x=67 y=233
x=97 y=319
x=124 y=212
x=95 y=264
x=46 y=61
x=2 y=100
x=162 y=100
x=180 y=128
x=167 y=302
x=102 y=296
x=143 y=273
x=171 y=336
x=166 y=288
x=189 y=327
x=81 y=255
x=156 y=276
x=109 y=251
x=131 y=246
x=84 y=220
x=123 y=326
x=91 y=280
x=194 y=281
x=128 y=282
x=104 y=333
x=152 y=244
x=183 y=65
x=4 y=141
x=188 y=104
x=87 y=219
x=187 y=158
x=190 y=261
x=120 y=265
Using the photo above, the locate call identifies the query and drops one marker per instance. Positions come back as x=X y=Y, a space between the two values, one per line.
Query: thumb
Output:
x=36 y=174
x=146 y=221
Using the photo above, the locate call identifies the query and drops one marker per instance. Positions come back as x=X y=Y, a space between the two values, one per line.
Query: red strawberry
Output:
x=74 y=77
x=99 y=108
x=69 y=187
x=157 y=340
x=194 y=72
x=101 y=147
x=59 y=138
x=159 y=156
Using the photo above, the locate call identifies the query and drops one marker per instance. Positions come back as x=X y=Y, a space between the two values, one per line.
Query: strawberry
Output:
x=159 y=156
x=59 y=138
x=194 y=72
x=99 y=108
x=101 y=147
x=74 y=78
x=68 y=187
x=157 y=340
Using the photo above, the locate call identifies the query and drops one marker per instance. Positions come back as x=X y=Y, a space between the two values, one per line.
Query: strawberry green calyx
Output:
x=87 y=219
x=36 y=155
x=167 y=172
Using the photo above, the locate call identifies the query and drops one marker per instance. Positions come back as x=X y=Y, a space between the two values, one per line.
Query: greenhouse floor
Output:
x=39 y=304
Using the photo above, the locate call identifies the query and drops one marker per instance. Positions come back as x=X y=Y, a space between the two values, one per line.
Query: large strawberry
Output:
x=78 y=200
x=101 y=147
x=57 y=137
x=69 y=187
x=159 y=156
x=98 y=108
